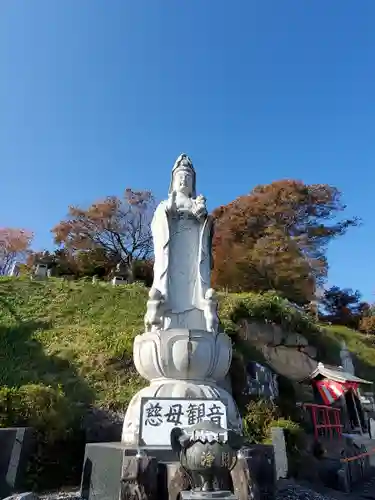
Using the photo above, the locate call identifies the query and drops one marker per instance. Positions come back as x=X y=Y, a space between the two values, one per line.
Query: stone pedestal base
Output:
x=112 y=471
x=108 y=465
x=167 y=388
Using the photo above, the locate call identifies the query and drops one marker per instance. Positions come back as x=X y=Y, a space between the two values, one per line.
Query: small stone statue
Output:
x=121 y=273
x=41 y=266
x=211 y=311
x=346 y=359
x=154 y=315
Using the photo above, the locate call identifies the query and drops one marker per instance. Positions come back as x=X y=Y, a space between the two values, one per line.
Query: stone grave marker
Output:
x=372 y=428
x=16 y=445
x=261 y=381
x=281 y=458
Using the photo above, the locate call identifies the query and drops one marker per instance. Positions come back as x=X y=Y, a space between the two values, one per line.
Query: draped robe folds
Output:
x=182 y=267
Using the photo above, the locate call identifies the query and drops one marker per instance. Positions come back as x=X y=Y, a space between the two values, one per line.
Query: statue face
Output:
x=183 y=182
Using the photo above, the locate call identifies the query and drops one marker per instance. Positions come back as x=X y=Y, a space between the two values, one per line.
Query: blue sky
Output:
x=99 y=95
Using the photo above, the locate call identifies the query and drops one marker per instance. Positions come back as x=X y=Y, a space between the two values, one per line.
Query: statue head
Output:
x=183 y=177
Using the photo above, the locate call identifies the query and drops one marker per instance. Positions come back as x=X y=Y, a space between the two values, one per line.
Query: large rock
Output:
x=310 y=350
x=289 y=362
x=295 y=340
x=261 y=333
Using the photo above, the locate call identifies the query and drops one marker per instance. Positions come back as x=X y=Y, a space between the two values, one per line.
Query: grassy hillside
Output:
x=361 y=346
x=67 y=346
x=78 y=336
x=73 y=335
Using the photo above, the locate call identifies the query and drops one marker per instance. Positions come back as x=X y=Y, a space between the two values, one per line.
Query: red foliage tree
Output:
x=276 y=238
x=14 y=246
x=118 y=227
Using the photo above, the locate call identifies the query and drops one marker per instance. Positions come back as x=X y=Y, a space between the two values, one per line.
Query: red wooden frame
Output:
x=321 y=418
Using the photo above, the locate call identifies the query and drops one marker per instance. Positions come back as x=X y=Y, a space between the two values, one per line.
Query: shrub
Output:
x=143 y=272
x=260 y=416
x=257 y=420
x=42 y=407
x=266 y=307
x=58 y=440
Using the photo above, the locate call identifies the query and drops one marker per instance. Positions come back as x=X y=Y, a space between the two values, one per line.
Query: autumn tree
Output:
x=276 y=238
x=113 y=230
x=14 y=246
x=344 y=306
x=367 y=324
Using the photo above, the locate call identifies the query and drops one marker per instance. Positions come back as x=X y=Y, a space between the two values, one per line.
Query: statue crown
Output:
x=183 y=162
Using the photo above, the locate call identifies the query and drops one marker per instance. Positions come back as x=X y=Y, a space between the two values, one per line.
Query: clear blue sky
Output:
x=99 y=95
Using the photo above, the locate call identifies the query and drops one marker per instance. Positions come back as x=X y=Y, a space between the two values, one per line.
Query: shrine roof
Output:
x=336 y=373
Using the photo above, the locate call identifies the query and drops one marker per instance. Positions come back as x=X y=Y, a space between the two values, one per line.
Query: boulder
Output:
x=295 y=340
x=261 y=333
x=289 y=362
x=310 y=350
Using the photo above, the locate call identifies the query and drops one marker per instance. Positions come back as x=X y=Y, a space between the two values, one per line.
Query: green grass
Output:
x=78 y=337
x=67 y=346
x=361 y=346
x=72 y=335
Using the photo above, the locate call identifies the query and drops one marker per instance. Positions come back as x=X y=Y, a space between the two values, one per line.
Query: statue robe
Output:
x=182 y=268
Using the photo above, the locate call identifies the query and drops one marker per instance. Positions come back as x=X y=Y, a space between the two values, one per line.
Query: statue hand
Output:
x=171 y=201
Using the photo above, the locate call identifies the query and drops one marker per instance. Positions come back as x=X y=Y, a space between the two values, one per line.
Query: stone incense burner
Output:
x=206 y=451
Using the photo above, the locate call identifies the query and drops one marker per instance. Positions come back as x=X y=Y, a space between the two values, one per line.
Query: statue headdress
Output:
x=183 y=162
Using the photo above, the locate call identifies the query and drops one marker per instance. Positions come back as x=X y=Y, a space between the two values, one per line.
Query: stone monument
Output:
x=41 y=266
x=183 y=353
x=346 y=359
x=121 y=274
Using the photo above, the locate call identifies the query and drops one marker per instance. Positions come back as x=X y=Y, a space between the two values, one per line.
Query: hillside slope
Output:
x=66 y=347
x=78 y=336
x=71 y=334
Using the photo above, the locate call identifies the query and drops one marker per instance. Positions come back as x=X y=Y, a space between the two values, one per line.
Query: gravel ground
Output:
x=286 y=492
x=298 y=492
x=62 y=495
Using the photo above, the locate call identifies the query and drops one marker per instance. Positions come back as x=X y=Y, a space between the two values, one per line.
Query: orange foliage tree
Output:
x=276 y=237
x=119 y=227
x=367 y=325
x=14 y=246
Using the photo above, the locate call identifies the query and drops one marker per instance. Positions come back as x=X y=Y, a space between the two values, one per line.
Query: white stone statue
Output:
x=346 y=359
x=182 y=234
x=181 y=353
x=211 y=311
x=155 y=309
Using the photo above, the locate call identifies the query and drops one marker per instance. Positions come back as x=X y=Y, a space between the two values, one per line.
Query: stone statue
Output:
x=181 y=353
x=182 y=234
x=210 y=312
x=155 y=309
x=346 y=359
